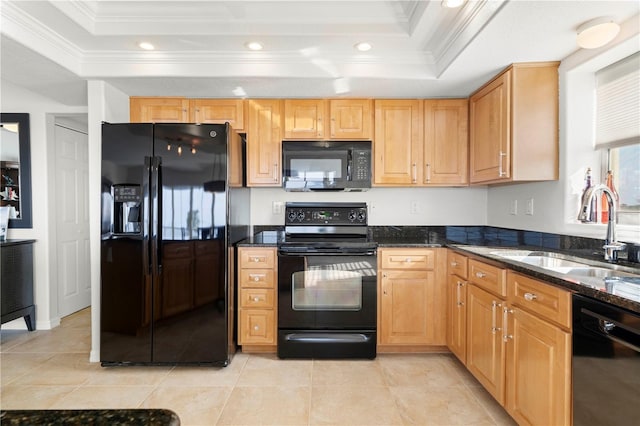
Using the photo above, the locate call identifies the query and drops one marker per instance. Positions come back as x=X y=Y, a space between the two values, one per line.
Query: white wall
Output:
x=388 y=206
x=19 y=100
x=106 y=103
x=556 y=203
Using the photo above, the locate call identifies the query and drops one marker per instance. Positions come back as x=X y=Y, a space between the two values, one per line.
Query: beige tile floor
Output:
x=51 y=370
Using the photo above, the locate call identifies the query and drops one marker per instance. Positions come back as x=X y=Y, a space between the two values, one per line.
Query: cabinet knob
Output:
x=408 y=260
x=454 y=264
x=256 y=299
x=255 y=327
x=530 y=296
x=480 y=274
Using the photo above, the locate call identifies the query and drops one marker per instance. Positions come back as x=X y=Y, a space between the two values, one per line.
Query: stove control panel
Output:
x=326 y=214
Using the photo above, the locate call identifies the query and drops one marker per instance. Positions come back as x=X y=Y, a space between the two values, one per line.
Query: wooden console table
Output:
x=16 y=275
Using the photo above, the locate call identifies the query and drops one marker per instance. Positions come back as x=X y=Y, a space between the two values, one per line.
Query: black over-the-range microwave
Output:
x=326 y=165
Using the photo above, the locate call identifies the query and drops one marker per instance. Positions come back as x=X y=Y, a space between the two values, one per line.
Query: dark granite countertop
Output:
x=15 y=242
x=587 y=287
x=479 y=241
x=133 y=417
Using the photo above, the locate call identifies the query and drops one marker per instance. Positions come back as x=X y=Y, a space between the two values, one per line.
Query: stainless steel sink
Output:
x=566 y=265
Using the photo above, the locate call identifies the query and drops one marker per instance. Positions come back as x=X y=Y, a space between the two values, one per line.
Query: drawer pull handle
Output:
x=257 y=259
x=408 y=260
x=454 y=264
x=256 y=277
x=480 y=274
x=256 y=299
x=530 y=296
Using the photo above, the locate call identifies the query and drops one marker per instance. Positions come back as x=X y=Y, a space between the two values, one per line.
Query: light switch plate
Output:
x=513 y=209
x=529 y=207
x=276 y=207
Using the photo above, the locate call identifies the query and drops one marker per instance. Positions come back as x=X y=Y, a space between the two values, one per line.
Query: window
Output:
x=618 y=131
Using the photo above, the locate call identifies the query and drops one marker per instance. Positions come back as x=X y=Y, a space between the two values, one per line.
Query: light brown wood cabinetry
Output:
x=421 y=143
x=411 y=297
x=485 y=348
x=538 y=349
x=456 y=305
x=264 y=142
x=397 y=142
x=257 y=299
x=218 y=111
x=351 y=118
x=446 y=142
x=158 y=110
x=183 y=110
x=328 y=119
x=514 y=126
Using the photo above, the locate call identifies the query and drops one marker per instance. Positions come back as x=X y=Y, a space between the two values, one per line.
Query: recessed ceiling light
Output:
x=146 y=45
x=254 y=45
x=597 y=32
x=363 y=46
x=452 y=4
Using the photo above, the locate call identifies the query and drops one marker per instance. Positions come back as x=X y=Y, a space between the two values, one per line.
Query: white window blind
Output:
x=618 y=103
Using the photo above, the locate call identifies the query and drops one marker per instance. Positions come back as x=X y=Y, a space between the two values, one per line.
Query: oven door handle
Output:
x=331 y=252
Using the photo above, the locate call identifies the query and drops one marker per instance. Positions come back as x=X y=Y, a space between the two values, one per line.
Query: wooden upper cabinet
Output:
x=514 y=126
x=397 y=142
x=264 y=142
x=446 y=142
x=304 y=118
x=351 y=118
x=158 y=110
x=218 y=111
x=328 y=119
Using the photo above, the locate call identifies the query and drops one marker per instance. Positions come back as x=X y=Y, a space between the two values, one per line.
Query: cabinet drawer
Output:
x=408 y=259
x=257 y=278
x=539 y=298
x=257 y=326
x=457 y=264
x=257 y=258
x=177 y=250
x=490 y=278
x=208 y=247
x=257 y=298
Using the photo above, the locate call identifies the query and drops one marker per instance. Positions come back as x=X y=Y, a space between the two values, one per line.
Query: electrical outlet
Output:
x=529 y=207
x=276 y=207
x=513 y=209
x=414 y=207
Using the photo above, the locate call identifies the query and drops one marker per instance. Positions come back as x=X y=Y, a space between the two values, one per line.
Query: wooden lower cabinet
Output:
x=257 y=299
x=457 y=317
x=485 y=347
x=412 y=297
x=538 y=371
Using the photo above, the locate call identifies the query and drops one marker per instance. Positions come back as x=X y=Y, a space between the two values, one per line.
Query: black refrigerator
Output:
x=173 y=203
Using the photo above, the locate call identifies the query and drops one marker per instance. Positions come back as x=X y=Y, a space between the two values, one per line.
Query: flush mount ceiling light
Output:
x=363 y=46
x=254 y=45
x=597 y=32
x=146 y=45
x=452 y=4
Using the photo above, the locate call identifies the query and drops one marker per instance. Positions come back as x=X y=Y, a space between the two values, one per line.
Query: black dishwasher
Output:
x=606 y=364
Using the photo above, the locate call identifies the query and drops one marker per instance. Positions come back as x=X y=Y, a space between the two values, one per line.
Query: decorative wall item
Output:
x=15 y=168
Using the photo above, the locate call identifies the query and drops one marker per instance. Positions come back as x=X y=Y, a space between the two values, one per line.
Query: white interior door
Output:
x=71 y=199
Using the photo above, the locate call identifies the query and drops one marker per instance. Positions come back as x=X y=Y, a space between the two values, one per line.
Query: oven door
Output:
x=327 y=304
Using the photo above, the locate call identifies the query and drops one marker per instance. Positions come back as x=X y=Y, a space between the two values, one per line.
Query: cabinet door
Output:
x=397 y=144
x=407 y=307
x=457 y=317
x=264 y=143
x=159 y=110
x=446 y=142
x=490 y=133
x=304 y=118
x=485 y=348
x=350 y=118
x=257 y=326
x=538 y=371
x=217 y=111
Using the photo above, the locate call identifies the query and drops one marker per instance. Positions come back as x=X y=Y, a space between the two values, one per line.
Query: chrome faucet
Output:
x=611 y=246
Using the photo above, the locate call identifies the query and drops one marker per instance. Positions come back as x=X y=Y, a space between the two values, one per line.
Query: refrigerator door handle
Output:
x=146 y=215
x=155 y=241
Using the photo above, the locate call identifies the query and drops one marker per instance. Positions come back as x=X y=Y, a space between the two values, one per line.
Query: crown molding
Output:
x=82 y=12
